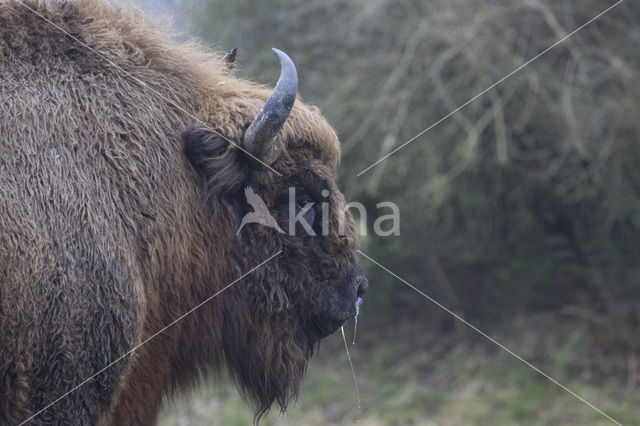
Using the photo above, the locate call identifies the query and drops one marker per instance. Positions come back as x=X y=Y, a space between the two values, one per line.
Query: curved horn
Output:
x=260 y=137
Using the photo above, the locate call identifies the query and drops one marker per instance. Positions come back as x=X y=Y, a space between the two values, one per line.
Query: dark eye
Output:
x=300 y=208
x=301 y=203
x=310 y=214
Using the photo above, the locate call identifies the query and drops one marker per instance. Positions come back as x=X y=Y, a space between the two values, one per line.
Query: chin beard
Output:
x=268 y=364
x=267 y=351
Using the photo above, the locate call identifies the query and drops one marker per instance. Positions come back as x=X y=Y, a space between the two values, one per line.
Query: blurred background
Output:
x=520 y=212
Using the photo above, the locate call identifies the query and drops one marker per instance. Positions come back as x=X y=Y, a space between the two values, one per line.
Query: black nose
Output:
x=360 y=280
x=363 y=285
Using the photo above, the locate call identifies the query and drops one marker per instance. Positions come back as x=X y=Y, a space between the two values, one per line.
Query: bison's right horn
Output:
x=260 y=137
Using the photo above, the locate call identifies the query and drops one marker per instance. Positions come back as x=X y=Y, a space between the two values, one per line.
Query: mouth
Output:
x=323 y=326
x=328 y=323
x=337 y=308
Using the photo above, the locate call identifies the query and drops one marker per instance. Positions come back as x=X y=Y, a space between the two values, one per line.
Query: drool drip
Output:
x=355 y=324
x=355 y=380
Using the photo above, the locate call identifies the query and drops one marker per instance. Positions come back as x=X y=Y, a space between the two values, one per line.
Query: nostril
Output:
x=363 y=285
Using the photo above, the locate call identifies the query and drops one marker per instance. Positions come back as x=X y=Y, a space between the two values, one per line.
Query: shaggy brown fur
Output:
x=118 y=214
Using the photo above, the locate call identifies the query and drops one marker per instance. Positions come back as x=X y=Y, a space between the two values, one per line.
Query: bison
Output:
x=124 y=159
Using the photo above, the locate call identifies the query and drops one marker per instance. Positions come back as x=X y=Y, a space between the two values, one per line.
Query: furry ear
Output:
x=215 y=161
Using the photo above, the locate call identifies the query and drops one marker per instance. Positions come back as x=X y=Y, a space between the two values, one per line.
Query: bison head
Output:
x=287 y=156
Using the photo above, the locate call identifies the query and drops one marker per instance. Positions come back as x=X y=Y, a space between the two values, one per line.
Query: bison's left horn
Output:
x=230 y=57
x=260 y=137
